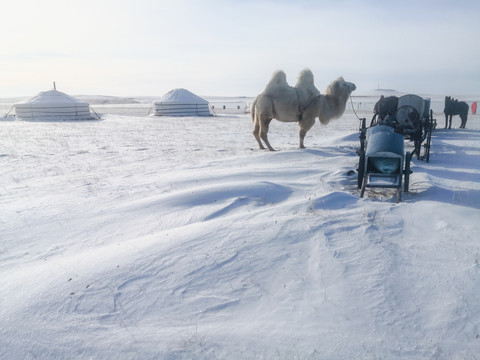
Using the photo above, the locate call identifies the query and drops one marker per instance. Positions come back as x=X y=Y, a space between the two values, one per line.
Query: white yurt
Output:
x=181 y=102
x=53 y=105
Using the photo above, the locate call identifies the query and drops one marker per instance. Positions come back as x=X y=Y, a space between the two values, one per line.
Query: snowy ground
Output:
x=141 y=237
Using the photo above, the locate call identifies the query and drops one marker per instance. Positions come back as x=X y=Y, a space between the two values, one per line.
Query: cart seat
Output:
x=384 y=150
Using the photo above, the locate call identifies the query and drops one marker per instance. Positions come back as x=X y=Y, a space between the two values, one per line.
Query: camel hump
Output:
x=305 y=77
x=276 y=83
x=306 y=85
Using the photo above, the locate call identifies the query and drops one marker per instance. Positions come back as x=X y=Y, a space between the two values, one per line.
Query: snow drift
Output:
x=136 y=238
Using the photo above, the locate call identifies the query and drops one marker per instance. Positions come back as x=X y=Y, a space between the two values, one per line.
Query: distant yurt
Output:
x=53 y=105
x=181 y=102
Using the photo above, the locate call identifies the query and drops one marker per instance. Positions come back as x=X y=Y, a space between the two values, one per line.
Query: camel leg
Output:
x=256 y=132
x=264 y=125
x=305 y=125
x=450 y=122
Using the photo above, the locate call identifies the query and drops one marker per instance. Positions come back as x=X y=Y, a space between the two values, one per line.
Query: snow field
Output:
x=142 y=237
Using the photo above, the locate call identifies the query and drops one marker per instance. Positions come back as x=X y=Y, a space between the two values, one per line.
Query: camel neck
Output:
x=335 y=106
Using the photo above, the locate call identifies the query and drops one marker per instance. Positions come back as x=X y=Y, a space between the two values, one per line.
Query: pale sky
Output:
x=232 y=47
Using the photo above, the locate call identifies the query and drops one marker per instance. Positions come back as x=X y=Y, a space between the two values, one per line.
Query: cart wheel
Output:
x=362 y=192
x=408 y=157
x=361 y=169
x=427 y=145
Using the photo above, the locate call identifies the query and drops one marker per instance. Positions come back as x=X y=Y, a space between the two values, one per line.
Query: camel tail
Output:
x=252 y=109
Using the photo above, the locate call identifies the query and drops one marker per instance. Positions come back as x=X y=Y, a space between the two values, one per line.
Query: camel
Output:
x=302 y=103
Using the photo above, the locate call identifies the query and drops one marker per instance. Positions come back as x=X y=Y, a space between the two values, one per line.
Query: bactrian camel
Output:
x=302 y=103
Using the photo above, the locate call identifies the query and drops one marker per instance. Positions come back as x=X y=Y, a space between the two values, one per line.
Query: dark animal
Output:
x=385 y=107
x=455 y=107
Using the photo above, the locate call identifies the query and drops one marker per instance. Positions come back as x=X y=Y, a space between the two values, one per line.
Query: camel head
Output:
x=336 y=96
x=340 y=88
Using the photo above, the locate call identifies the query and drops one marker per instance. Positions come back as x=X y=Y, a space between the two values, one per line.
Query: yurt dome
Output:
x=53 y=105
x=181 y=102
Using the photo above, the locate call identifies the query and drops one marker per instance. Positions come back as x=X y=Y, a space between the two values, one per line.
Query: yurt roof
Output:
x=52 y=97
x=181 y=96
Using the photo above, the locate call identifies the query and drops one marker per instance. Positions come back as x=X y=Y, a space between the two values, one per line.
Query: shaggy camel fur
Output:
x=302 y=103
